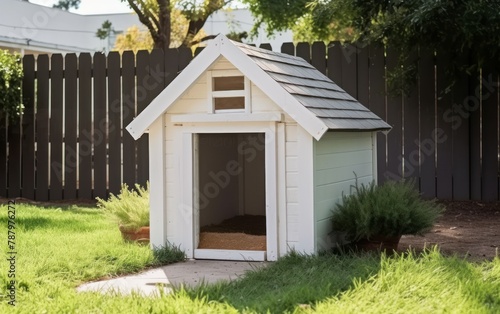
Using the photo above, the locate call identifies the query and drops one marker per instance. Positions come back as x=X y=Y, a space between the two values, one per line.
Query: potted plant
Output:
x=130 y=209
x=376 y=216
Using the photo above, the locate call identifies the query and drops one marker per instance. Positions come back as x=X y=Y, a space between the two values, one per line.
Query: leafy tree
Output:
x=133 y=39
x=67 y=4
x=136 y=39
x=156 y=15
x=11 y=75
x=467 y=32
x=105 y=30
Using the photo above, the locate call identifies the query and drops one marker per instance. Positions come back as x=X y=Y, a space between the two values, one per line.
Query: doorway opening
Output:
x=230 y=191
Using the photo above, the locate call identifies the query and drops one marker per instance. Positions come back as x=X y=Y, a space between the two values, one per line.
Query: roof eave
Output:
x=174 y=90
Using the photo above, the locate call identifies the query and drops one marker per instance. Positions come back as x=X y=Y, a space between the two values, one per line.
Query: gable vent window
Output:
x=229 y=92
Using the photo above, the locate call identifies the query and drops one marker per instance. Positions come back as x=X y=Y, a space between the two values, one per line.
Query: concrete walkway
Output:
x=189 y=273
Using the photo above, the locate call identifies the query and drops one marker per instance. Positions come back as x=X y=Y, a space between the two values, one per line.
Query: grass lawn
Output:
x=59 y=248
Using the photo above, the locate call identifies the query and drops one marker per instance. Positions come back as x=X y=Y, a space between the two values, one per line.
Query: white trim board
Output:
x=230 y=255
x=228 y=117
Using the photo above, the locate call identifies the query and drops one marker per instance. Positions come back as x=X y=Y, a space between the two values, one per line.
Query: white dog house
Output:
x=244 y=131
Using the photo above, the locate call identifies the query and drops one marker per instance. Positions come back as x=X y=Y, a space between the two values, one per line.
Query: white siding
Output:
x=292 y=170
x=339 y=157
x=260 y=101
x=194 y=99
x=222 y=64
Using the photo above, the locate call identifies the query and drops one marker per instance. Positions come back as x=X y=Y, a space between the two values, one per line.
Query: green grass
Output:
x=294 y=279
x=409 y=283
x=58 y=249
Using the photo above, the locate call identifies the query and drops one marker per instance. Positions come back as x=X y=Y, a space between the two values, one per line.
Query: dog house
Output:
x=249 y=152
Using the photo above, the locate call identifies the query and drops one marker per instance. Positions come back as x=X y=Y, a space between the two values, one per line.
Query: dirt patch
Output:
x=466 y=228
x=232 y=241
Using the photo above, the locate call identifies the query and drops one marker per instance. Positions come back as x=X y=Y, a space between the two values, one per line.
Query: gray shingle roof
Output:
x=325 y=99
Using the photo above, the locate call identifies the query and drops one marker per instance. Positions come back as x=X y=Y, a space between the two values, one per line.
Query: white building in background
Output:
x=33 y=29
x=241 y=20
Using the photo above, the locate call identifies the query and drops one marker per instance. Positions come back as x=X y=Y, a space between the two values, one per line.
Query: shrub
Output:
x=11 y=76
x=391 y=209
x=130 y=208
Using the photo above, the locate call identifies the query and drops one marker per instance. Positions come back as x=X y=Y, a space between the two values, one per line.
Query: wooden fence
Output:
x=71 y=142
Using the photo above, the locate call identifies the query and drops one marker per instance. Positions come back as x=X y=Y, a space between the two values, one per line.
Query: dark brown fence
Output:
x=71 y=142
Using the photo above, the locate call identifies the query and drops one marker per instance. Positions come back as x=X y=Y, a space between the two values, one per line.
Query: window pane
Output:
x=228 y=83
x=229 y=103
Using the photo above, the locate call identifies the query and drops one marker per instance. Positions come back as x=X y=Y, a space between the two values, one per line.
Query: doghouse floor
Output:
x=238 y=233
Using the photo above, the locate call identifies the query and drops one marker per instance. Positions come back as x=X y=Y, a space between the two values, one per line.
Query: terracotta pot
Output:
x=378 y=243
x=139 y=235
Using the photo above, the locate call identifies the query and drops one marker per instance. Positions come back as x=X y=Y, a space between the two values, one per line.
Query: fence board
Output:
x=56 y=127
x=377 y=104
x=70 y=129
x=460 y=126
x=266 y=46
x=394 y=118
x=303 y=50
x=288 y=48
x=318 y=56
x=42 y=129
x=14 y=167
x=349 y=69
x=427 y=126
x=128 y=107
x=99 y=137
x=490 y=136
x=171 y=60
x=443 y=137
x=157 y=72
x=185 y=56
x=114 y=123
x=28 y=142
x=142 y=101
x=3 y=158
x=334 y=64
x=85 y=127
x=411 y=167
x=363 y=76
x=475 y=140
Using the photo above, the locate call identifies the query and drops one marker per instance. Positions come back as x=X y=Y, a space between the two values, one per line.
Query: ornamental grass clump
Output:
x=130 y=208
x=390 y=210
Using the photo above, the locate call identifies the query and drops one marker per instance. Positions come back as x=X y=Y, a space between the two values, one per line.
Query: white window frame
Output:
x=230 y=93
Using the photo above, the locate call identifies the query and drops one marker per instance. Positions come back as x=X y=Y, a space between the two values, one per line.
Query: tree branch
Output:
x=144 y=19
x=195 y=42
x=150 y=14
x=165 y=22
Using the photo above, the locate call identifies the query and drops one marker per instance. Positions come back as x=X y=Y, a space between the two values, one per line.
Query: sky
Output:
x=92 y=6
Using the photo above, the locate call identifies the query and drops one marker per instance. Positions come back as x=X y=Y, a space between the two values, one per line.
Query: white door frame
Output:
x=189 y=197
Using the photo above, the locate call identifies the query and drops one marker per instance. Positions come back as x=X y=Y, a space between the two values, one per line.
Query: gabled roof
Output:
x=304 y=93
